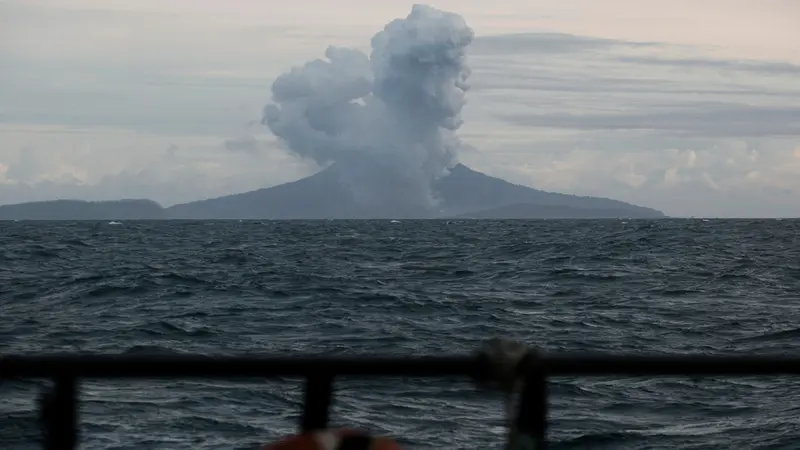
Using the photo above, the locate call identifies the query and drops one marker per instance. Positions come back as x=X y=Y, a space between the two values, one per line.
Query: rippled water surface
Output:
x=413 y=287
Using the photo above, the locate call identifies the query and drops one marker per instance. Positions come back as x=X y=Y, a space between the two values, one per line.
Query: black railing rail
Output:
x=59 y=408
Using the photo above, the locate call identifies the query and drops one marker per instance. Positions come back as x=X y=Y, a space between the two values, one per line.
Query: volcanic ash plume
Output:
x=387 y=122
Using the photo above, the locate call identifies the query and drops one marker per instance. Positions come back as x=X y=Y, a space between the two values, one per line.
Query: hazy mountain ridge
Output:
x=463 y=192
x=533 y=211
x=125 y=209
x=326 y=195
x=468 y=191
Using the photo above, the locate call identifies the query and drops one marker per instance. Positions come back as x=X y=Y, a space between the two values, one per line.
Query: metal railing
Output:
x=59 y=407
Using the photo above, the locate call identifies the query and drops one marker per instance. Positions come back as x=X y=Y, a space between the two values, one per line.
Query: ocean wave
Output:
x=422 y=287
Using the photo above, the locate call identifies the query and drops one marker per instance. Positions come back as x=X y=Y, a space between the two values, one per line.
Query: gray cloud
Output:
x=773 y=68
x=26 y=166
x=547 y=43
x=568 y=44
x=245 y=144
x=593 y=83
x=571 y=63
x=731 y=120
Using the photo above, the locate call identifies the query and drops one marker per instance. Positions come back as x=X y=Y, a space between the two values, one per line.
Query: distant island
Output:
x=127 y=209
x=463 y=193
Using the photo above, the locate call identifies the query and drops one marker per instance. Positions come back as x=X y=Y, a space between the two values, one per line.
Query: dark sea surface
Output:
x=408 y=288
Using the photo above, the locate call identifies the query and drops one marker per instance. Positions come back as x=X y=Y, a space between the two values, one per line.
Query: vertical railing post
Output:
x=59 y=414
x=317 y=404
x=530 y=425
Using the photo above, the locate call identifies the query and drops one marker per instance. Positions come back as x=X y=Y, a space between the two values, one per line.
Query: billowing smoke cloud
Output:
x=386 y=121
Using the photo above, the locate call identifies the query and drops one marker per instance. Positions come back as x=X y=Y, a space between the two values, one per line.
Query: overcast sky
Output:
x=691 y=107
